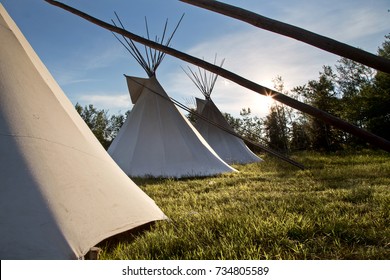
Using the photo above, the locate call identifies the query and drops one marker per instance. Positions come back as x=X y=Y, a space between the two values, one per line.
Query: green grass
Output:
x=338 y=208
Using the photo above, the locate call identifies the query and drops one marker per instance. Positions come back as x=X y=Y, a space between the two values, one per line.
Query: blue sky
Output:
x=88 y=62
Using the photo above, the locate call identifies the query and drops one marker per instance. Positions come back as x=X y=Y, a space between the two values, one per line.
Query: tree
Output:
x=104 y=128
x=300 y=138
x=351 y=79
x=277 y=123
x=251 y=126
x=376 y=99
x=247 y=126
x=275 y=130
x=234 y=123
x=322 y=95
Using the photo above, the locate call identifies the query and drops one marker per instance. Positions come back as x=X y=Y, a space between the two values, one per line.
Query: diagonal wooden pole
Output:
x=326 y=117
x=316 y=40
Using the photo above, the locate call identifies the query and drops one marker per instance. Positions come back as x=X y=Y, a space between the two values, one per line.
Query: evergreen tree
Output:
x=375 y=100
x=275 y=129
x=322 y=95
x=351 y=79
x=300 y=138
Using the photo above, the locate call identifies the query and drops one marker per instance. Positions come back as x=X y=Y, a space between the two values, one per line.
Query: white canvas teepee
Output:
x=229 y=147
x=157 y=140
x=60 y=192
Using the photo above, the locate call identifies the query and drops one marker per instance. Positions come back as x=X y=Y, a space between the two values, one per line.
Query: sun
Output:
x=262 y=104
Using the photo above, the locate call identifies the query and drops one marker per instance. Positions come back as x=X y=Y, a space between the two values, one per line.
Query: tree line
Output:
x=348 y=90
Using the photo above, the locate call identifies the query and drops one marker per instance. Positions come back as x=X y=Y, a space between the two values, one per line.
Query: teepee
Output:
x=60 y=192
x=156 y=140
x=213 y=126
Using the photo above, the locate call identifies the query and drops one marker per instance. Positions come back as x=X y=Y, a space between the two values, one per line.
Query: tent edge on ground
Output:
x=61 y=193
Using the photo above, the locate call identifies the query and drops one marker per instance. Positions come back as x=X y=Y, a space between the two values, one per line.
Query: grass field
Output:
x=338 y=208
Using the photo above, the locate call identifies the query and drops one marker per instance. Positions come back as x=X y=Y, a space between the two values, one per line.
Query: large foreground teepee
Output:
x=60 y=192
x=157 y=140
x=213 y=126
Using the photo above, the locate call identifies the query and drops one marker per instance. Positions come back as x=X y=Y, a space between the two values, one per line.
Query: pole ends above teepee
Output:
x=149 y=59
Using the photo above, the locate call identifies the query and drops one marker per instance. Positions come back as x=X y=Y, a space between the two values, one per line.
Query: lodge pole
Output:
x=300 y=34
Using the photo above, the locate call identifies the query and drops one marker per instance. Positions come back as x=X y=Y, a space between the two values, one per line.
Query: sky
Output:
x=89 y=63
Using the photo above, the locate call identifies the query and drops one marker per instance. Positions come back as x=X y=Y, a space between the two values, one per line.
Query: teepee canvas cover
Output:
x=213 y=126
x=60 y=192
x=229 y=147
x=157 y=140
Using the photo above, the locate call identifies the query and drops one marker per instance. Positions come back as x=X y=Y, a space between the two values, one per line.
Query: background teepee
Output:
x=157 y=140
x=229 y=147
x=60 y=192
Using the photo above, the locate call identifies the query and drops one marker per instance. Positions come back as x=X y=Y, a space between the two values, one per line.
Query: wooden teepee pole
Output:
x=322 y=42
x=326 y=117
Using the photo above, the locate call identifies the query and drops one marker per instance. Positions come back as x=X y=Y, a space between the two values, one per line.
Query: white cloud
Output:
x=118 y=103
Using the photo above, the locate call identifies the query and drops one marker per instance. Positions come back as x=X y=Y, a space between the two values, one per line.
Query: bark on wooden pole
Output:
x=316 y=40
x=326 y=117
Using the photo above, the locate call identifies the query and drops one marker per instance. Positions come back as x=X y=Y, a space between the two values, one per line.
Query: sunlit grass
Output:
x=338 y=208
